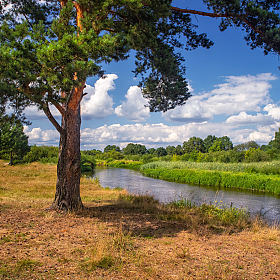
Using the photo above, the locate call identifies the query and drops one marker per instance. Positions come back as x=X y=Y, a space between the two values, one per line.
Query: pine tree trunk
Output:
x=67 y=197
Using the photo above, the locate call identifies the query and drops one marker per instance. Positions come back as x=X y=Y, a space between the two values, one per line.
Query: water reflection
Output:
x=255 y=202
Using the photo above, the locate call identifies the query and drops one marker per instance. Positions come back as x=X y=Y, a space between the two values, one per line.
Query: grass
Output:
x=121 y=236
x=217 y=174
x=267 y=168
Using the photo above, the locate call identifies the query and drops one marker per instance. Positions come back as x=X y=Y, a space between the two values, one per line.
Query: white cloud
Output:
x=273 y=111
x=134 y=107
x=192 y=111
x=41 y=137
x=245 y=100
x=245 y=135
x=244 y=119
x=151 y=135
x=238 y=94
x=98 y=103
x=32 y=113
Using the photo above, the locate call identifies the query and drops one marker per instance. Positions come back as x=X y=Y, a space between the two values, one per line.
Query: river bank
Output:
x=253 y=176
x=122 y=236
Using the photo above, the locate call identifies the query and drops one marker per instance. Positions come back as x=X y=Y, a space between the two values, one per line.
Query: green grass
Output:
x=215 y=216
x=242 y=180
x=266 y=168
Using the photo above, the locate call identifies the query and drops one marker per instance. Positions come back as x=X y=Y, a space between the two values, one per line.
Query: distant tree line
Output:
x=14 y=147
x=211 y=149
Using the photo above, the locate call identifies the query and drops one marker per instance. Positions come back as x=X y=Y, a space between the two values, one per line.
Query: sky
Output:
x=235 y=93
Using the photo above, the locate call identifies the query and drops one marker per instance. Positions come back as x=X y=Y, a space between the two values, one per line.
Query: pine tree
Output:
x=13 y=140
x=49 y=48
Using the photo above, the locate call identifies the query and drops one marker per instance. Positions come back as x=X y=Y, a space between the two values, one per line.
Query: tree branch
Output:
x=194 y=12
x=48 y=113
x=242 y=17
x=59 y=108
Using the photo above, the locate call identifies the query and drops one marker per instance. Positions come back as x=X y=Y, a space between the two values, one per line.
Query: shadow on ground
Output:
x=140 y=222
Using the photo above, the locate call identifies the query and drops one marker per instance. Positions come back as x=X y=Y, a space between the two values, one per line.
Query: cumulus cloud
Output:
x=156 y=135
x=236 y=95
x=245 y=135
x=252 y=115
x=41 y=137
x=134 y=107
x=273 y=111
x=32 y=113
x=98 y=103
x=150 y=135
x=244 y=119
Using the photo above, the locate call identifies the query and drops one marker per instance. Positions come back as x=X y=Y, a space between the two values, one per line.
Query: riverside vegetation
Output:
x=122 y=236
x=254 y=176
x=260 y=175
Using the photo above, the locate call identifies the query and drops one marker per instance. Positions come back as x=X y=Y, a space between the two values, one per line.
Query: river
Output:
x=267 y=205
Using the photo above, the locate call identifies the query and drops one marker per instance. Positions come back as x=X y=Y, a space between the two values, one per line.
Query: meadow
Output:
x=262 y=176
x=123 y=236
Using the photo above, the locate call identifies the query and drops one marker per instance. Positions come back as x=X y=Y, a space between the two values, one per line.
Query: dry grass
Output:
x=128 y=238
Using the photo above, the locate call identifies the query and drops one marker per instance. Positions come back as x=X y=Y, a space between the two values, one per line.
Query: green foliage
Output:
x=246 y=146
x=111 y=148
x=13 y=141
x=217 y=213
x=53 y=51
x=221 y=144
x=126 y=164
x=49 y=154
x=194 y=144
x=208 y=141
x=134 y=149
x=256 y=155
x=170 y=150
x=160 y=152
x=267 y=168
x=87 y=162
x=44 y=154
x=267 y=183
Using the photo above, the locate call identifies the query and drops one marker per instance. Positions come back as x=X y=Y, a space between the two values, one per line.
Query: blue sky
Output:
x=235 y=92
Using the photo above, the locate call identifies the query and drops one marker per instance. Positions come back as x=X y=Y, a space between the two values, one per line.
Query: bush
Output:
x=87 y=162
x=256 y=155
x=45 y=154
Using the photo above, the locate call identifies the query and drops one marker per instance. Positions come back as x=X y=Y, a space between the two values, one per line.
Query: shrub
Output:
x=45 y=154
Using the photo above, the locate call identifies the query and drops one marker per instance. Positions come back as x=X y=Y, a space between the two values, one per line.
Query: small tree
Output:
x=171 y=150
x=160 y=152
x=134 y=149
x=208 y=141
x=275 y=143
x=194 y=144
x=111 y=148
x=13 y=141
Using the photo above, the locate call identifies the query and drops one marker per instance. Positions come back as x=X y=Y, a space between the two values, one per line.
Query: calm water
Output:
x=133 y=181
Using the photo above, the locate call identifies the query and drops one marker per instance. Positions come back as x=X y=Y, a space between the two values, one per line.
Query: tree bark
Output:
x=67 y=197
